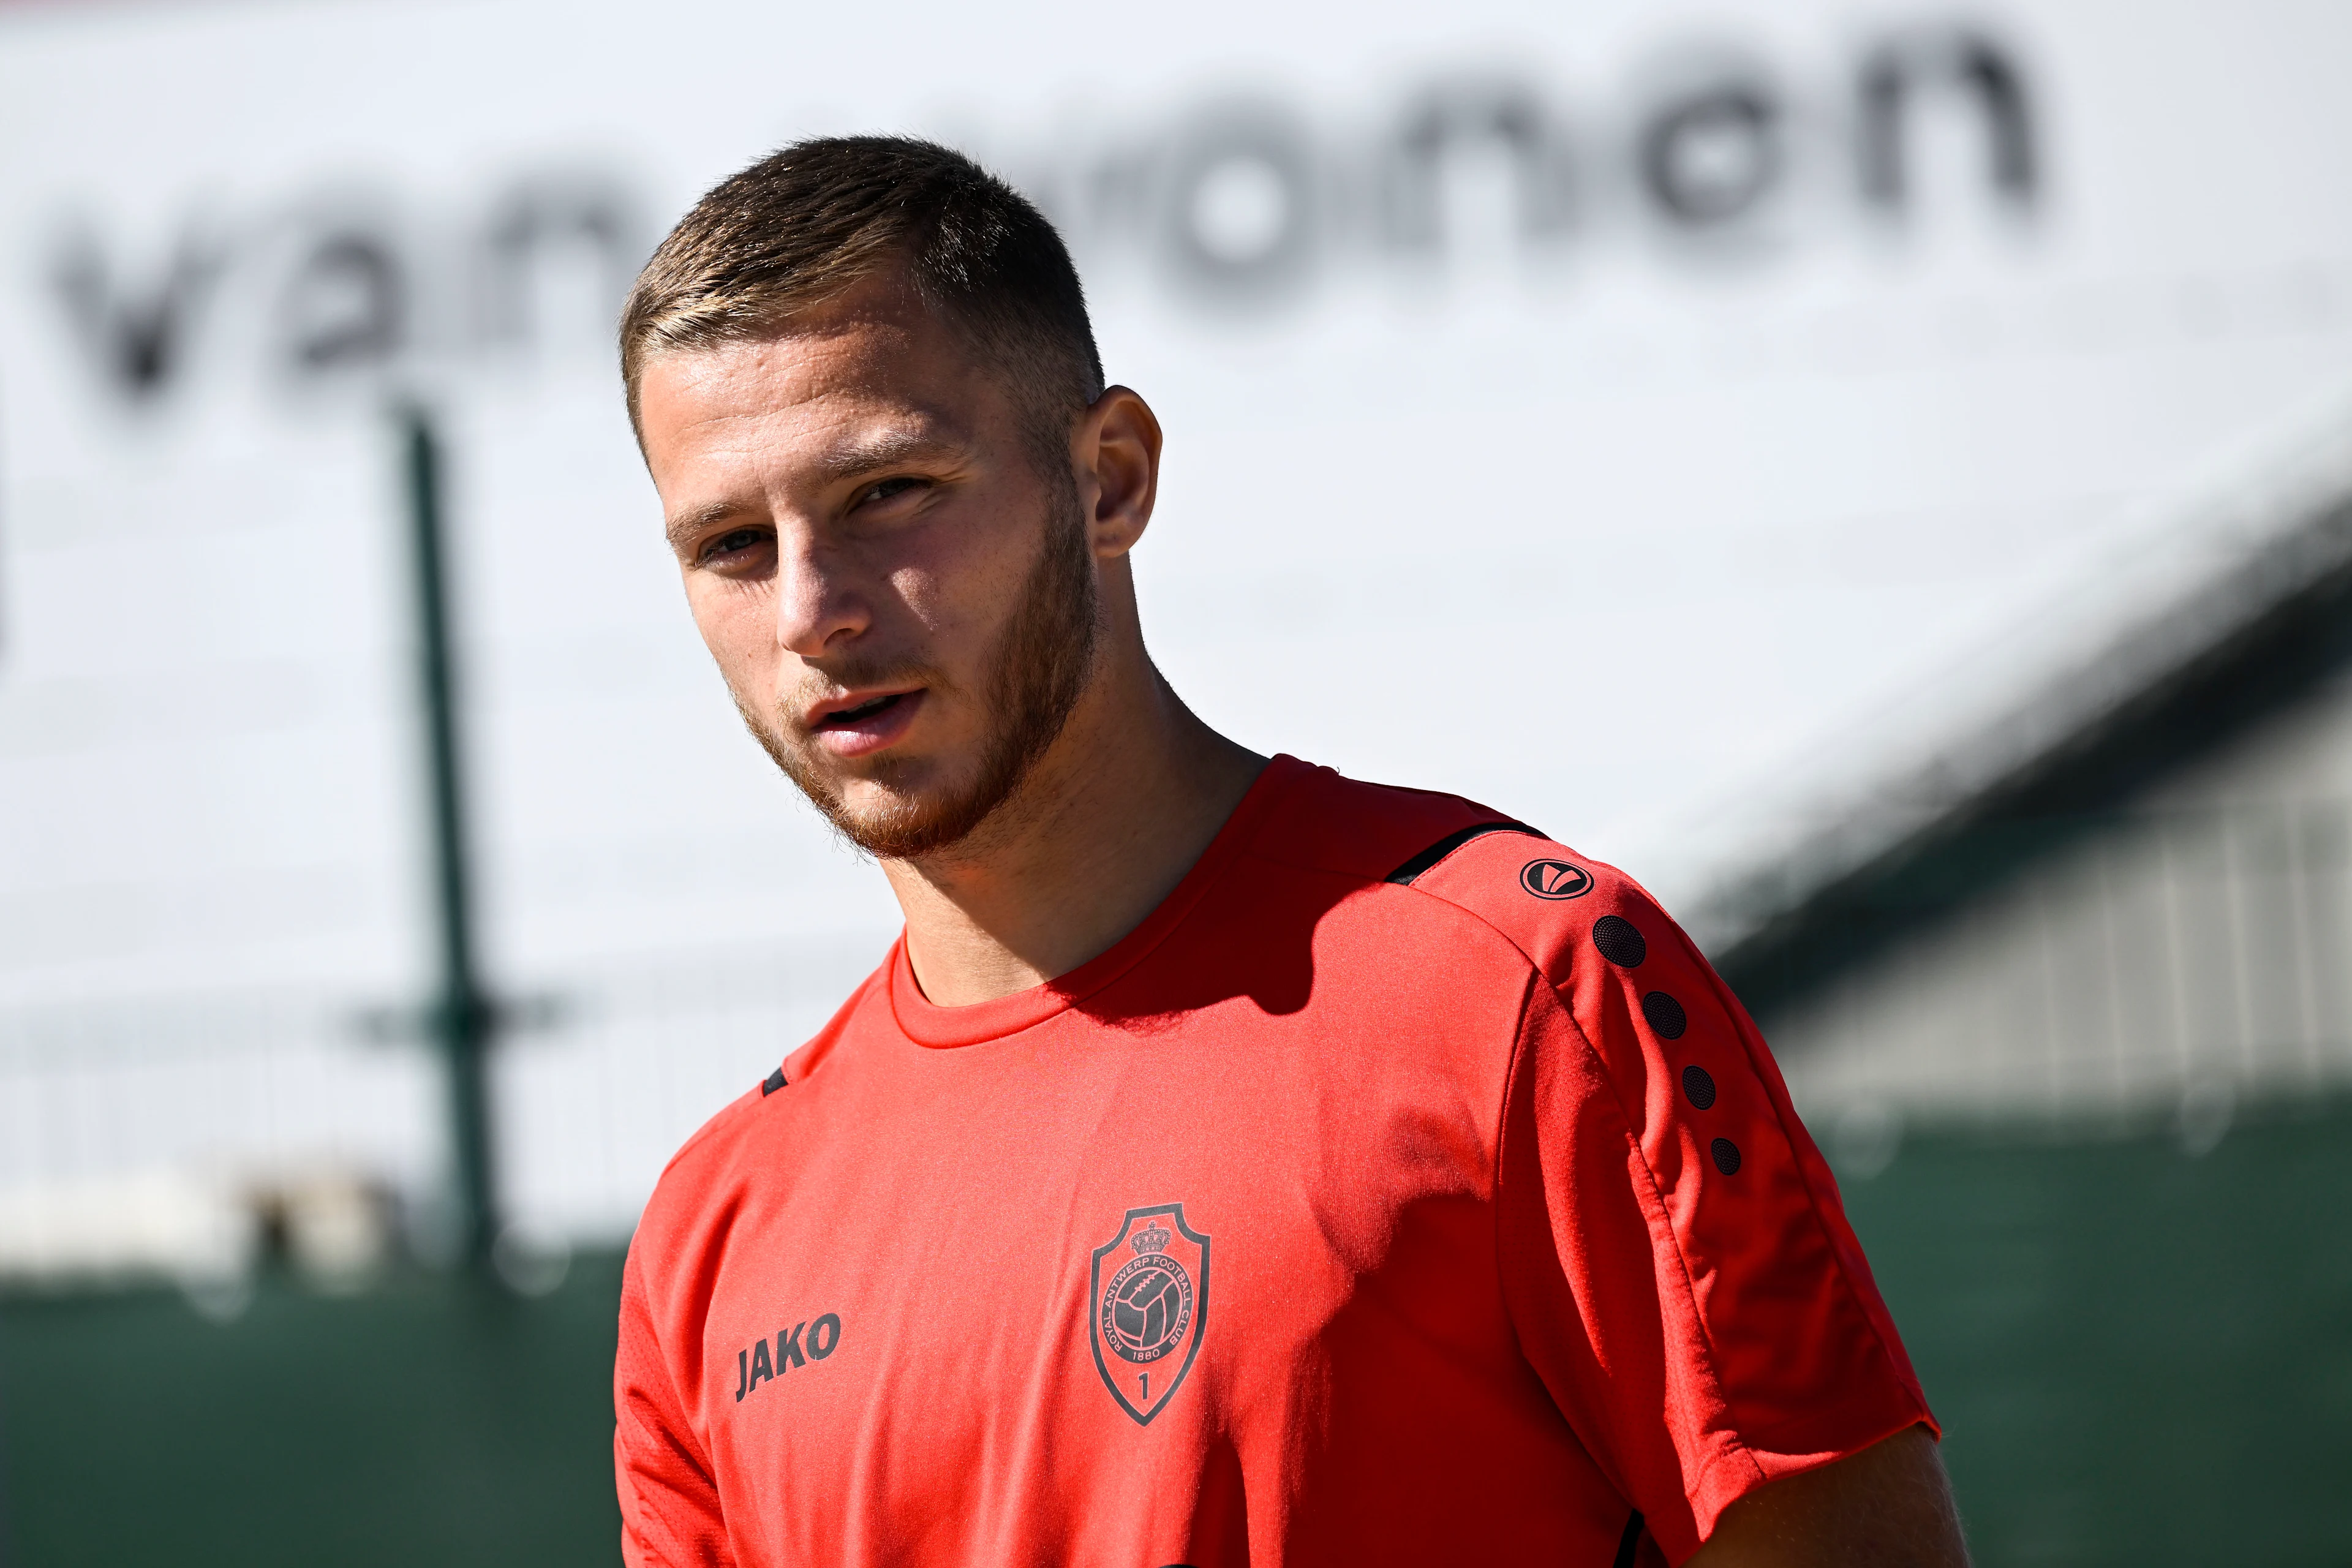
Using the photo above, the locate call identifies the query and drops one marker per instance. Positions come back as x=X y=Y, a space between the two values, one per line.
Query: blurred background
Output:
x=1880 y=471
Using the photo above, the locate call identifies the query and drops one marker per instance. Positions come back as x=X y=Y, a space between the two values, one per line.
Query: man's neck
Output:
x=1100 y=832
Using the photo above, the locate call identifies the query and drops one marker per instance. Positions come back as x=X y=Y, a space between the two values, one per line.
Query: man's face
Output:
x=902 y=605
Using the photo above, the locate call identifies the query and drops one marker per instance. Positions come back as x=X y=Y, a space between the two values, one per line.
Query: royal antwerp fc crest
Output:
x=1150 y=1307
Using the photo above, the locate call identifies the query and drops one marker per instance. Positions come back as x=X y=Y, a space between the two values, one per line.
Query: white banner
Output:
x=1614 y=413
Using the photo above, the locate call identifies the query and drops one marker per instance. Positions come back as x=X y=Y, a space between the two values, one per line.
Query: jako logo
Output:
x=753 y=1367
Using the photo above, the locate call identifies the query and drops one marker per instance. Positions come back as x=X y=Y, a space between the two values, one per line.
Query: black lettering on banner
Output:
x=1247 y=201
x=761 y=1369
x=531 y=227
x=1238 y=139
x=824 y=1334
x=1889 y=82
x=1503 y=109
x=136 y=335
x=788 y=1349
x=1709 y=155
x=346 y=305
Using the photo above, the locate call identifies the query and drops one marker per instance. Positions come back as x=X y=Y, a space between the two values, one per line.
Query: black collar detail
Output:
x=1404 y=875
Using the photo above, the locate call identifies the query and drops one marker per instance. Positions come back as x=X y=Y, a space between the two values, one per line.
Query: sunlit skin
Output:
x=858 y=491
x=855 y=493
x=1888 y=1506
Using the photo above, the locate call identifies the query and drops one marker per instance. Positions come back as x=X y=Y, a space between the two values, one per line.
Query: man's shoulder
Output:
x=1370 y=832
x=699 y=1189
x=1445 y=852
x=696 y=1180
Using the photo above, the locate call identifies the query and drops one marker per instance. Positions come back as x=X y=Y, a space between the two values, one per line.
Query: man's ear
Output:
x=1116 y=452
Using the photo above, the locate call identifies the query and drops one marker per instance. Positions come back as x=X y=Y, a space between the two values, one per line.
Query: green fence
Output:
x=432 y=1421
x=2141 y=1357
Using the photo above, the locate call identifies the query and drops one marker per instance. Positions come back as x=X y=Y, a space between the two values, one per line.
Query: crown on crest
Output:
x=1153 y=1238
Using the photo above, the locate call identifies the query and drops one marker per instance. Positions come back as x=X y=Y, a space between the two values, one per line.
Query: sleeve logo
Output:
x=1555 y=879
x=1148 y=1314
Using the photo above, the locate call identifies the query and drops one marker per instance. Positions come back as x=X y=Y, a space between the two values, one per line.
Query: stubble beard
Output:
x=1039 y=669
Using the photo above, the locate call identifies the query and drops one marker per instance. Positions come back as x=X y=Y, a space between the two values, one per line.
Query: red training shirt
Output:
x=1406 y=1188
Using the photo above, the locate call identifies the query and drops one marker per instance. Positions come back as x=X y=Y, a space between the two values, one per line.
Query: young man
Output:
x=1231 y=1162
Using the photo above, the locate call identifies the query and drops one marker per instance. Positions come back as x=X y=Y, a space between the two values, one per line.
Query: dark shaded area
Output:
x=2139 y=1357
x=431 y=1420
x=2209 y=697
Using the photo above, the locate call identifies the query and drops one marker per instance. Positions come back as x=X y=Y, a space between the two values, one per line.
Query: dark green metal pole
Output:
x=461 y=1016
x=7 y=1547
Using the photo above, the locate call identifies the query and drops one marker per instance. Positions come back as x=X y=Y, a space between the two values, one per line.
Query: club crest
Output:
x=1148 y=1308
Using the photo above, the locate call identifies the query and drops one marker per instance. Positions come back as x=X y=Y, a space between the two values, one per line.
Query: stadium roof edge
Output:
x=2268 y=620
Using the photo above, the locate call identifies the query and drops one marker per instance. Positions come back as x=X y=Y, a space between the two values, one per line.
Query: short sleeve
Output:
x=1679 y=1268
x=670 y=1516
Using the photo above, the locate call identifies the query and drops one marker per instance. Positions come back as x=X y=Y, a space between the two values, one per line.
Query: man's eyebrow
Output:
x=683 y=527
x=885 y=448
x=845 y=461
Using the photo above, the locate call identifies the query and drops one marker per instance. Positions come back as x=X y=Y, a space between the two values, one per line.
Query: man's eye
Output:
x=886 y=489
x=733 y=543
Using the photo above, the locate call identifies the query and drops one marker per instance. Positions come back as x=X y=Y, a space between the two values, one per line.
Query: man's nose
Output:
x=818 y=599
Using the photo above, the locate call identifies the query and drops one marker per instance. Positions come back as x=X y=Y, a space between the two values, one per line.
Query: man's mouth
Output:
x=847 y=716
x=867 y=725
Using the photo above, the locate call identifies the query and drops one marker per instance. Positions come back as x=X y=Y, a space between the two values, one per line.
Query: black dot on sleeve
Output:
x=1726 y=1156
x=1700 y=1087
x=1619 y=943
x=1666 y=1015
